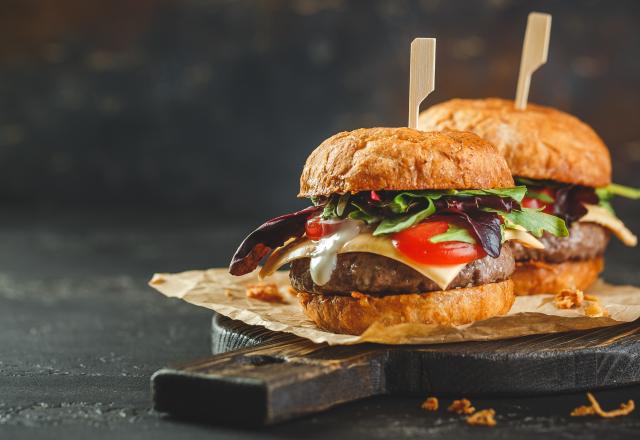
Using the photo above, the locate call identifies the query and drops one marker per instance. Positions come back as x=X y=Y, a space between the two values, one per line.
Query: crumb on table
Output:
x=484 y=417
x=431 y=404
x=267 y=292
x=595 y=310
x=596 y=409
x=462 y=406
x=569 y=298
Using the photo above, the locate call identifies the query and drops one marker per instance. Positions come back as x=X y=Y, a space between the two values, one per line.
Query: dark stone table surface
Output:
x=81 y=333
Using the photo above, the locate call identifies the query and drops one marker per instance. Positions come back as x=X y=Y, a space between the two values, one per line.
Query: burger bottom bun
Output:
x=534 y=277
x=354 y=314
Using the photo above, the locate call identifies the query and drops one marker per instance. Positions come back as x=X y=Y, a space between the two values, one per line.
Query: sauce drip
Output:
x=325 y=256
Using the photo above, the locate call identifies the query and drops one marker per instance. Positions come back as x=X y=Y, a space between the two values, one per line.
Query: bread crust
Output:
x=402 y=159
x=531 y=278
x=538 y=143
x=354 y=314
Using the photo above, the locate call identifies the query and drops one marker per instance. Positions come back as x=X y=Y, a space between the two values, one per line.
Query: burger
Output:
x=404 y=226
x=566 y=169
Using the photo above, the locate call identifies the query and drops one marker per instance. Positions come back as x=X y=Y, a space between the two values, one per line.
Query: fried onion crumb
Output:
x=431 y=404
x=584 y=410
x=596 y=409
x=267 y=292
x=589 y=297
x=569 y=298
x=595 y=310
x=484 y=417
x=462 y=406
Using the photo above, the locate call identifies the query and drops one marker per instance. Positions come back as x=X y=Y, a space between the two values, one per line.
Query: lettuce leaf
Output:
x=536 y=222
x=613 y=189
x=454 y=233
x=517 y=192
x=361 y=213
x=606 y=193
x=329 y=210
x=540 y=196
x=404 y=201
x=397 y=224
x=342 y=204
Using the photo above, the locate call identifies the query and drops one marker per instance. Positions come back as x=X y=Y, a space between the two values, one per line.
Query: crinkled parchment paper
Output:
x=215 y=289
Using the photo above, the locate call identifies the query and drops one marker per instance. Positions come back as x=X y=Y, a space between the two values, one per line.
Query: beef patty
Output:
x=585 y=242
x=377 y=275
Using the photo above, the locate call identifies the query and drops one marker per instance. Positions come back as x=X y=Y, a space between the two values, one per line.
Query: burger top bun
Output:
x=538 y=143
x=402 y=159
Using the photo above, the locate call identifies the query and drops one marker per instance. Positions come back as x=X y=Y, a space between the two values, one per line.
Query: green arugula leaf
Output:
x=403 y=201
x=388 y=226
x=329 y=210
x=454 y=233
x=342 y=204
x=517 y=192
x=361 y=213
x=508 y=224
x=536 y=222
x=613 y=189
x=606 y=193
x=540 y=196
x=400 y=203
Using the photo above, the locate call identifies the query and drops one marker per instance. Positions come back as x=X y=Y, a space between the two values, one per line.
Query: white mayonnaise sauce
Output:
x=325 y=255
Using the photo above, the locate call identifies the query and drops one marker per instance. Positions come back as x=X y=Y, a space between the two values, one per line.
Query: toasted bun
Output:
x=353 y=315
x=539 y=142
x=402 y=158
x=531 y=278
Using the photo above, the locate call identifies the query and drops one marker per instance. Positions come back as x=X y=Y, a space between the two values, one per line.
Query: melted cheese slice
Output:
x=442 y=275
x=522 y=236
x=597 y=214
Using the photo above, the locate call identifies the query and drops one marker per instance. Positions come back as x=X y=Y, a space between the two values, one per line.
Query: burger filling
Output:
x=586 y=241
x=398 y=241
x=586 y=211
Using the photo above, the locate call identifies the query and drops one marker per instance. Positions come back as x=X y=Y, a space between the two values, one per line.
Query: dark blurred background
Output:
x=214 y=105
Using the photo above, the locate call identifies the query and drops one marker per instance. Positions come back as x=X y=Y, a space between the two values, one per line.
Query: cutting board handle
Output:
x=270 y=382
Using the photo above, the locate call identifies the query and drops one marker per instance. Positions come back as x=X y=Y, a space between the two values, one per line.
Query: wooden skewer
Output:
x=422 y=72
x=534 y=53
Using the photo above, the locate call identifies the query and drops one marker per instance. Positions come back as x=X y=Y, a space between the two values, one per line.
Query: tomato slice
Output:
x=529 y=202
x=414 y=243
x=316 y=228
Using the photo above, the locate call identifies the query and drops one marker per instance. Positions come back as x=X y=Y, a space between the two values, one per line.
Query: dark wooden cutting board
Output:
x=257 y=376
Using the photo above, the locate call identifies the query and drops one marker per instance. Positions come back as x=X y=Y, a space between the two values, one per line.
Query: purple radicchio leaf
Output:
x=270 y=235
x=484 y=225
x=570 y=200
x=477 y=202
